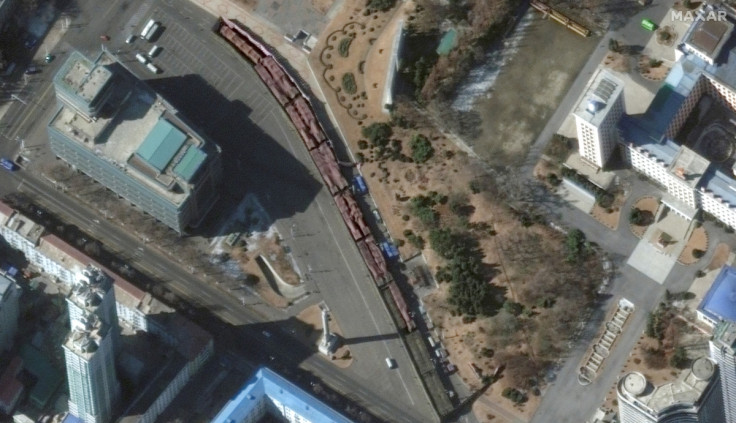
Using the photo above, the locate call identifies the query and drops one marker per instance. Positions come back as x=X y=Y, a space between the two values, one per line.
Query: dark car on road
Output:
x=32 y=69
x=31 y=42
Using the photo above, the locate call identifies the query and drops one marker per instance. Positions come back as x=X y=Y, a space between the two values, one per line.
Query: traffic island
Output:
x=310 y=334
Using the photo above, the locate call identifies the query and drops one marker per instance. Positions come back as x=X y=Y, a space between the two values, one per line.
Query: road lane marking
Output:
x=347 y=265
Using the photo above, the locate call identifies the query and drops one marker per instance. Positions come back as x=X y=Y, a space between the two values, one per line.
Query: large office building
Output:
x=90 y=347
x=191 y=347
x=685 y=139
x=9 y=311
x=597 y=116
x=268 y=393
x=723 y=351
x=115 y=129
x=695 y=397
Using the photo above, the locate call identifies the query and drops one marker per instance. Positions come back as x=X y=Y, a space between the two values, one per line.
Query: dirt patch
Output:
x=720 y=256
x=695 y=247
x=652 y=69
x=617 y=61
x=610 y=216
x=645 y=204
x=528 y=89
x=322 y=6
x=310 y=330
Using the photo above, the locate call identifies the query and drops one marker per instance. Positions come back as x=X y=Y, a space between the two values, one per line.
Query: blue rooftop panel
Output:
x=269 y=386
x=720 y=301
x=161 y=144
x=190 y=163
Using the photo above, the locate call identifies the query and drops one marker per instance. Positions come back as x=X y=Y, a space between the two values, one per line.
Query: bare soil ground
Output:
x=698 y=241
x=617 y=61
x=657 y=73
x=322 y=6
x=528 y=90
x=311 y=331
x=649 y=204
x=720 y=256
x=611 y=216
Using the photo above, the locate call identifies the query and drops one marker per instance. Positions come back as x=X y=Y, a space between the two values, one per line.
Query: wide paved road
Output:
x=269 y=161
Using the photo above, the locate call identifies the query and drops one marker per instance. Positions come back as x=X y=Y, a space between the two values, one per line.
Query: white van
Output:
x=147 y=28
x=155 y=50
x=391 y=363
x=153 y=68
x=142 y=59
x=431 y=341
x=152 y=32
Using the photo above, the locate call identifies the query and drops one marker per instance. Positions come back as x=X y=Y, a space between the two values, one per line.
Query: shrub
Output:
x=348 y=83
x=680 y=359
x=416 y=240
x=423 y=208
x=575 y=245
x=378 y=133
x=698 y=253
x=475 y=186
x=640 y=217
x=344 y=47
x=381 y=5
x=604 y=199
x=655 y=358
x=421 y=148
x=514 y=395
x=487 y=352
x=513 y=308
x=362 y=144
x=468 y=319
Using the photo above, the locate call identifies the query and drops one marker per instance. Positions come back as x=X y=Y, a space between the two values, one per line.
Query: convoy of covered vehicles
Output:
x=298 y=107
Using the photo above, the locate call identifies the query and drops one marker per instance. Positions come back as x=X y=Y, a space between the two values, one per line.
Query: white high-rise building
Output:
x=9 y=294
x=723 y=351
x=597 y=116
x=694 y=397
x=90 y=348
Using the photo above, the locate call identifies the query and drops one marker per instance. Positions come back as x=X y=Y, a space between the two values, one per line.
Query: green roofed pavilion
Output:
x=161 y=144
x=190 y=163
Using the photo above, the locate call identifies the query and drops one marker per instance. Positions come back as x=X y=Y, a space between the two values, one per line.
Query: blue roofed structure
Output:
x=270 y=393
x=190 y=163
x=161 y=144
x=719 y=304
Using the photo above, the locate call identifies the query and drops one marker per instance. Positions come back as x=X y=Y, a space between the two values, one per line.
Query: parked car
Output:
x=8 y=164
x=31 y=42
x=32 y=69
x=130 y=39
x=49 y=58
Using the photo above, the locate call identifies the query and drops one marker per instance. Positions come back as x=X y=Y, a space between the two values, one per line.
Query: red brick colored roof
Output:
x=10 y=387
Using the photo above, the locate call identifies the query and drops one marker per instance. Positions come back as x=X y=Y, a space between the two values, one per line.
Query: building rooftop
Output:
x=135 y=298
x=82 y=77
x=599 y=96
x=5 y=283
x=268 y=385
x=689 y=166
x=48 y=378
x=708 y=36
x=86 y=335
x=24 y=227
x=142 y=136
x=10 y=386
x=724 y=335
x=719 y=302
x=687 y=389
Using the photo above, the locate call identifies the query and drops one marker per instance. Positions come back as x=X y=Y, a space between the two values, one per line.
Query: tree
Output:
x=378 y=133
x=575 y=245
x=421 y=148
x=679 y=359
x=381 y=5
x=614 y=45
x=423 y=208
